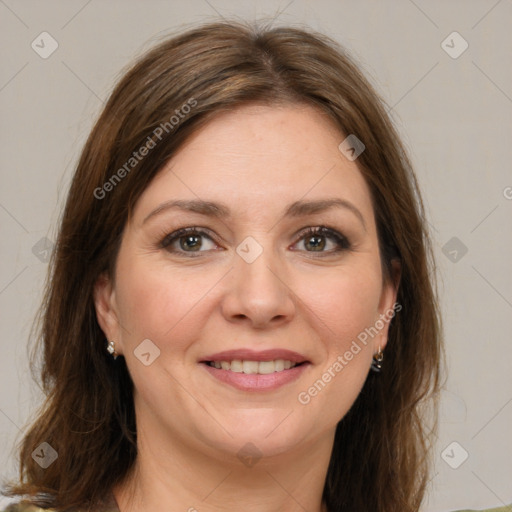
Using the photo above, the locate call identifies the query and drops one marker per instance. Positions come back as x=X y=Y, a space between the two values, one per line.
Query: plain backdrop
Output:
x=451 y=104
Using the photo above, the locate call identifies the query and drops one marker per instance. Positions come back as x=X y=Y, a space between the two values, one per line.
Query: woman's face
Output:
x=250 y=278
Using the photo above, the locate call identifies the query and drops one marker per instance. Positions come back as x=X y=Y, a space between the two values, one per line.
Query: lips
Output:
x=254 y=355
x=289 y=366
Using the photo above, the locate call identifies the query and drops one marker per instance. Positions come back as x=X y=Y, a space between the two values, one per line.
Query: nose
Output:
x=257 y=293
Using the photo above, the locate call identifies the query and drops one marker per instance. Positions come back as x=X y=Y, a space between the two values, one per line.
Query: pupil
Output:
x=316 y=246
x=194 y=239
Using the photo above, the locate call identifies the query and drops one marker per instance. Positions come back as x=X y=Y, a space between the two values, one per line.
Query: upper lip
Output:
x=246 y=354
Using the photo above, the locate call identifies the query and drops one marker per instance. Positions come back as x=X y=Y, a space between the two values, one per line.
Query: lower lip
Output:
x=256 y=381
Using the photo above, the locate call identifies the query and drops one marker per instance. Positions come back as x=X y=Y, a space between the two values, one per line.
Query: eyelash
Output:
x=341 y=241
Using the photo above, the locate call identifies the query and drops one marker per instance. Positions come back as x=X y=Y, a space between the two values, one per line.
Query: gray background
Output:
x=455 y=118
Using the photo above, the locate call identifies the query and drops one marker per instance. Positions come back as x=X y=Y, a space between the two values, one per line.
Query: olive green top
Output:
x=16 y=507
x=108 y=505
x=111 y=506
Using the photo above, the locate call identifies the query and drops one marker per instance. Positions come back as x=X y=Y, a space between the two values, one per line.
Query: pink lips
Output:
x=254 y=355
x=256 y=382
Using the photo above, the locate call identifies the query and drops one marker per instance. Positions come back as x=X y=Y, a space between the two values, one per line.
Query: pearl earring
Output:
x=111 y=347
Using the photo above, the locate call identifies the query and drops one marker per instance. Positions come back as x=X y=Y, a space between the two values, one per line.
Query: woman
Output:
x=240 y=311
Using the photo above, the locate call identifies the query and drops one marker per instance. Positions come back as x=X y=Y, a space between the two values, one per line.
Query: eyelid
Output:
x=177 y=233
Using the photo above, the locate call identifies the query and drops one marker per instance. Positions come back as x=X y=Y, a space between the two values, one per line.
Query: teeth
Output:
x=279 y=365
x=248 y=367
x=236 y=366
x=266 y=367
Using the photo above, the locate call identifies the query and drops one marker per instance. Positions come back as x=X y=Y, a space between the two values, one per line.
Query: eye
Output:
x=189 y=240
x=315 y=238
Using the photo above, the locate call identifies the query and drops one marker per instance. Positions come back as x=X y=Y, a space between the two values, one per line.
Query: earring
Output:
x=111 y=347
x=377 y=361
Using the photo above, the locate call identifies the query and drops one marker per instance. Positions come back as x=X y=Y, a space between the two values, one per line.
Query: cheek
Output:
x=357 y=310
x=345 y=310
x=153 y=301
x=345 y=302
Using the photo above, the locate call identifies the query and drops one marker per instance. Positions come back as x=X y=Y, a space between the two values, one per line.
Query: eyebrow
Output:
x=219 y=210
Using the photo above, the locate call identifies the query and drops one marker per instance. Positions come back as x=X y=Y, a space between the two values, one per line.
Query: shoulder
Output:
x=108 y=504
x=20 y=507
x=507 y=508
x=24 y=507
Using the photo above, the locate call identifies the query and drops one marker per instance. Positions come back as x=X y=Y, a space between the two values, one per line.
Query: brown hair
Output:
x=380 y=457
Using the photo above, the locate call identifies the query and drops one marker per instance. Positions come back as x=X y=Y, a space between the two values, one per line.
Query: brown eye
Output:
x=187 y=240
x=315 y=239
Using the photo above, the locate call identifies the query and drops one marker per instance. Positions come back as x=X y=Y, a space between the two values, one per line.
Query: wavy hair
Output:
x=380 y=459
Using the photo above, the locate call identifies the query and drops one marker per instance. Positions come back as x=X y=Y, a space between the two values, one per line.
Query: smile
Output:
x=251 y=367
x=255 y=375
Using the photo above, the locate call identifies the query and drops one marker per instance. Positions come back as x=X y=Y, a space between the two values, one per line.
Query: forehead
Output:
x=257 y=158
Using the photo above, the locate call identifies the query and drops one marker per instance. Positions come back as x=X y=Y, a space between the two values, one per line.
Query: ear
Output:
x=387 y=309
x=106 y=309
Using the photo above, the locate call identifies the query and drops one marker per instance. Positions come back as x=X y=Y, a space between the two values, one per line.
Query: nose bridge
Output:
x=258 y=269
x=257 y=290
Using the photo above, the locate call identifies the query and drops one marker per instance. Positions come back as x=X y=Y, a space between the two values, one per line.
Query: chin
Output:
x=268 y=432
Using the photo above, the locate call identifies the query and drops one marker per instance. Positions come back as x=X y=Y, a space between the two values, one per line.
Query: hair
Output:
x=380 y=459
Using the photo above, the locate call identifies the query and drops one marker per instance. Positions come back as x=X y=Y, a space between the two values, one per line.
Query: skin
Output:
x=256 y=159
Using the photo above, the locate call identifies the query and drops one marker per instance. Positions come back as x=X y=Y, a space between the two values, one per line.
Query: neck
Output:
x=173 y=473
